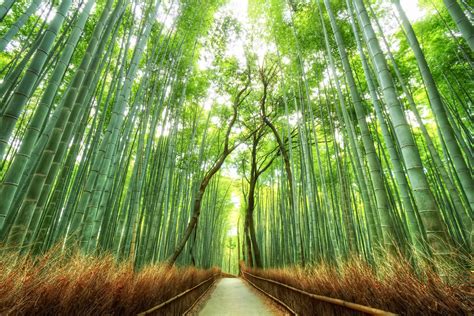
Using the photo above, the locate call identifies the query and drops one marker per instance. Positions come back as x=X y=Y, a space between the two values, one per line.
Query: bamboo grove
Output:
x=344 y=139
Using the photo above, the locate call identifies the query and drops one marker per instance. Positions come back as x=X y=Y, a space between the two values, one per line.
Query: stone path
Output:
x=232 y=297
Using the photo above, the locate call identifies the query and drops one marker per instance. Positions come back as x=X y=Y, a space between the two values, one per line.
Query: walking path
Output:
x=232 y=297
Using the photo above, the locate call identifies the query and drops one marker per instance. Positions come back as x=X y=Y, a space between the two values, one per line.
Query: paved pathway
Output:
x=232 y=297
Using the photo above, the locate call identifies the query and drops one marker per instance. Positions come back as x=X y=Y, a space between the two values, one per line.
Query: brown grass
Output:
x=82 y=285
x=395 y=288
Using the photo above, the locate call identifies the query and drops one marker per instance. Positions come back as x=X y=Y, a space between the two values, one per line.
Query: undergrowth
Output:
x=395 y=287
x=85 y=285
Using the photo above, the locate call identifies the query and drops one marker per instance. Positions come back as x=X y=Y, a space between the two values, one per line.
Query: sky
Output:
x=412 y=9
x=238 y=9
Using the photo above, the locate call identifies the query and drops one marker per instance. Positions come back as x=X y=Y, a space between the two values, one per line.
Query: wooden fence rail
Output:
x=157 y=307
x=334 y=301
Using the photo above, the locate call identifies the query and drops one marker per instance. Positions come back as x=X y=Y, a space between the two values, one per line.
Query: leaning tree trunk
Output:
x=197 y=204
x=255 y=258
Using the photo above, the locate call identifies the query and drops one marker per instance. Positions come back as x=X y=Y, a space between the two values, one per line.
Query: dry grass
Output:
x=81 y=285
x=395 y=288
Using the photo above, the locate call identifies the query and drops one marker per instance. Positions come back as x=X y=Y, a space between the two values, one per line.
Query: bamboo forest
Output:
x=236 y=157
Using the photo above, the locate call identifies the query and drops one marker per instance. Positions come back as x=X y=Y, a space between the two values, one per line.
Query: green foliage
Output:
x=140 y=113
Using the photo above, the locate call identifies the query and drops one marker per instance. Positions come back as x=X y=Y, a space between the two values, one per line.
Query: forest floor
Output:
x=231 y=296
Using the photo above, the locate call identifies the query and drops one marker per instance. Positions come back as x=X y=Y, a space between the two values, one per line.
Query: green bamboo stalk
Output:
x=15 y=28
x=24 y=90
x=429 y=212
